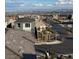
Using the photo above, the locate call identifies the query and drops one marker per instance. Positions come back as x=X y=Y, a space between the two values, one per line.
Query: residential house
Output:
x=25 y=23
x=55 y=16
x=9 y=21
x=40 y=24
x=62 y=16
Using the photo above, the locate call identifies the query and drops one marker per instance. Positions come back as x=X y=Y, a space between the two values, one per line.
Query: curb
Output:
x=48 y=43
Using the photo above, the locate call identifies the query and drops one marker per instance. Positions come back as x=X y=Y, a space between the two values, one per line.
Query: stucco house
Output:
x=55 y=16
x=41 y=25
x=26 y=24
x=9 y=21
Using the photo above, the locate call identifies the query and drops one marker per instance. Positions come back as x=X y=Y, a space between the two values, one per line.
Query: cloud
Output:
x=49 y=5
x=32 y=5
x=70 y=2
x=21 y=5
x=43 y=5
x=62 y=2
x=9 y=1
x=38 y=5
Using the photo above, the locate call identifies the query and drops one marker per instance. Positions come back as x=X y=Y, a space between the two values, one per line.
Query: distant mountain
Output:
x=57 y=10
x=41 y=11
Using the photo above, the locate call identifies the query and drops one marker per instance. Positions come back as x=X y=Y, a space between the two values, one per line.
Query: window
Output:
x=19 y=25
x=27 y=24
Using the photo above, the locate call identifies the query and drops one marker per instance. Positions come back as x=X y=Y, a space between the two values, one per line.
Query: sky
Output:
x=35 y=5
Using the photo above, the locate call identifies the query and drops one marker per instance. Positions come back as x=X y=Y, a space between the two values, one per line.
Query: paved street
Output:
x=63 y=48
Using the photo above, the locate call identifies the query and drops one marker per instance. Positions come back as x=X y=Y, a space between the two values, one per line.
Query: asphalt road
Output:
x=63 y=48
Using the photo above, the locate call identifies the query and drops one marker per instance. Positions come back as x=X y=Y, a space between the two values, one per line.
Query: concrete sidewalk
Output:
x=48 y=43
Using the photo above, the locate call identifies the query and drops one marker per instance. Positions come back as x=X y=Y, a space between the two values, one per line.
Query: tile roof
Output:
x=25 y=19
x=20 y=41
